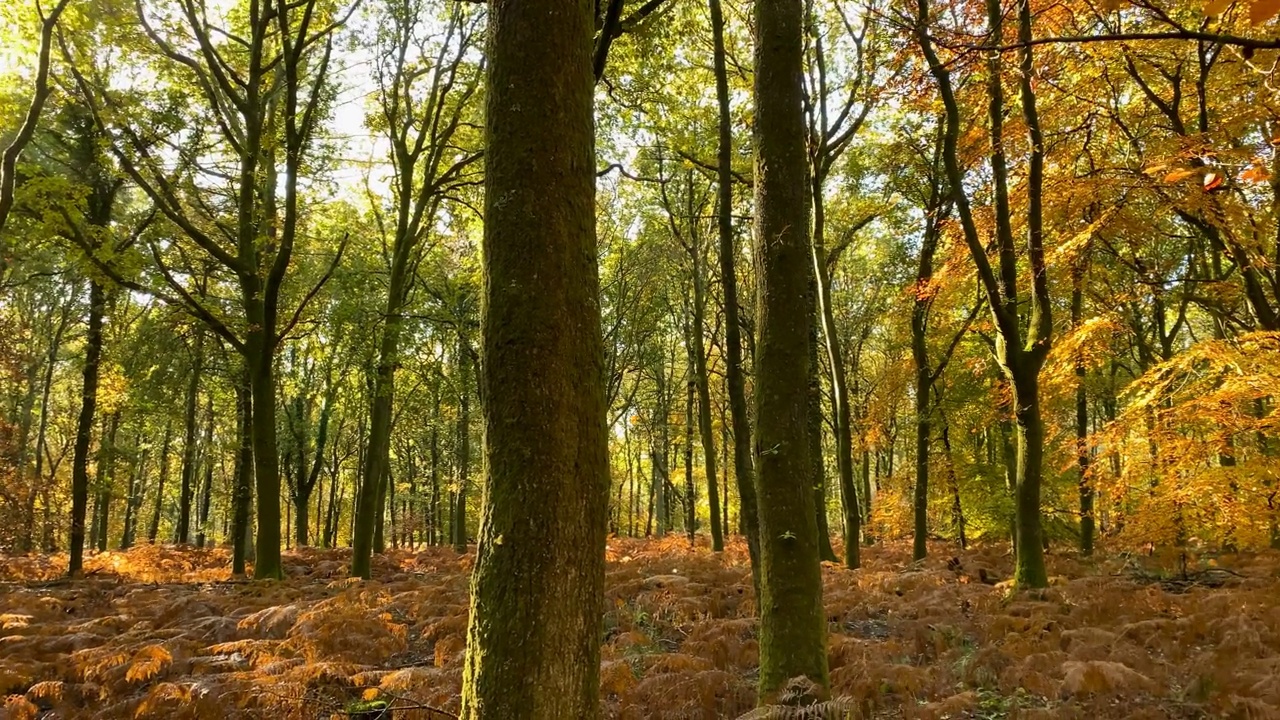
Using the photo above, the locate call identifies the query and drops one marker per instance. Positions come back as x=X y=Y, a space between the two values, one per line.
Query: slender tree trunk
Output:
x=957 y=510
x=690 y=494
x=743 y=472
x=153 y=530
x=37 y=477
x=1082 y=427
x=437 y=534
x=189 y=445
x=699 y=353
x=243 y=496
x=379 y=442
x=792 y=620
x=464 y=446
x=545 y=509
x=814 y=418
x=206 y=491
x=107 y=454
x=84 y=425
x=658 y=454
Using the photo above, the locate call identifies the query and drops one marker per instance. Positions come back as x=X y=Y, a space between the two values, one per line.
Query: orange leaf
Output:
x=1215 y=8
x=1263 y=10
x=1177 y=175
x=1255 y=174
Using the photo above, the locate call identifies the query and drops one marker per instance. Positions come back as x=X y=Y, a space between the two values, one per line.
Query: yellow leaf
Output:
x=369 y=694
x=1263 y=10
x=1214 y=8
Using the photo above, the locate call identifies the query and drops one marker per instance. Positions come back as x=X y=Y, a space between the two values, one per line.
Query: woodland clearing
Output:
x=158 y=632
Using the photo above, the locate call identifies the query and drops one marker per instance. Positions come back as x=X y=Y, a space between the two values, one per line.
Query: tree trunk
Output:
x=748 y=516
x=690 y=494
x=658 y=453
x=1082 y=426
x=1029 y=568
x=107 y=454
x=37 y=477
x=240 y=523
x=825 y=551
x=260 y=355
x=464 y=446
x=206 y=492
x=84 y=425
x=182 y=535
x=792 y=620
x=153 y=530
x=839 y=387
x=546 y=506
x=957 y=510
x=379 y=443
x=699 y=353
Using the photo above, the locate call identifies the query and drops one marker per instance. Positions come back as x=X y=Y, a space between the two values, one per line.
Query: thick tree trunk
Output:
x=84 y=425
x=792 y=621
x=748 y=516
x=206 y=491
x=182 y=535
x=546 y=506
x=266 y=463
x=1029 y=568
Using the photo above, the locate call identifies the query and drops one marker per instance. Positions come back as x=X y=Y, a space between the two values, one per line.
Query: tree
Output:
x=424 y=113
x=264 y=96
x=39 y=95
x=1020 y=351
x=545 y=507
x=792 y=621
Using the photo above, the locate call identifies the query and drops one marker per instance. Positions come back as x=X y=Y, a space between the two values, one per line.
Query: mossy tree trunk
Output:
x=533 y=642
x=792 y=621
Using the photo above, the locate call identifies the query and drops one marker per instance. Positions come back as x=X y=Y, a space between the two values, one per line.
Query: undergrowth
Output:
x=158 y=632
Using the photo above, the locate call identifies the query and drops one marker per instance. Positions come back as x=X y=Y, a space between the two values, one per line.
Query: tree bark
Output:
x=206 y=492
x=546 y=506
x=240 y=523
x=153 y=530
x=819 y=468
x=182 y=534
x=464 y=446
x=699 y=353
x=743 y=471
x=792 y=620
x=84 y=425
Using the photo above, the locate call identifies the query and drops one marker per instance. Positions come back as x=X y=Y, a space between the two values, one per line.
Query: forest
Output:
x=639 y=359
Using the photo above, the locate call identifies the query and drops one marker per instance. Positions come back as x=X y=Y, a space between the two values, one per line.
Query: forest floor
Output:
x=158 y=632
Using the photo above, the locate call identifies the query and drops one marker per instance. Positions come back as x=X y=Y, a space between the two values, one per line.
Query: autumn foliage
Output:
x=157 y=632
